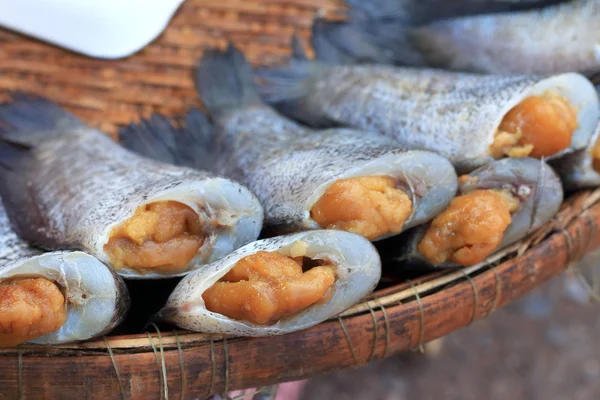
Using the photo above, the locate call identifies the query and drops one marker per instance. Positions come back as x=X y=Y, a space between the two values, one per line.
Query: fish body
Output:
x=556 y=39
x=67 y=186
x=96 y=298
x=357 y=268
x=453 y=114
x=535 y=184
x=289 y=166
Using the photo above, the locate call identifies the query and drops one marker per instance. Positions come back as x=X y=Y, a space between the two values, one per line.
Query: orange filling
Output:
x=470 y=228
x=29 y=308
x=371 y=206
x=164 y=236
x=264 y=287
x=538 y=127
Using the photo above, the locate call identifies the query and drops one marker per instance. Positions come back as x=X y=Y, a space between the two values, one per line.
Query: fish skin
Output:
x=12 y=248
x=253 y=144
x=68 y=185
x=560 y=38
x=18 y=258
x=417 y=12
x=282 y=211
x=576 y=170
x=358 y=269
x=533 y=181
x=379 y=31
x=453 y=114
x=289 y=166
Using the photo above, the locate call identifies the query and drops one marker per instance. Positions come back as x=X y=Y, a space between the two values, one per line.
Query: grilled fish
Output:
x=381 y=31
x=52 y=298
x=581 y=169
x=68 y=186
x=293 y=282
x=497 y=205
x=560 y=38
x=468 y=118
x=305 y=179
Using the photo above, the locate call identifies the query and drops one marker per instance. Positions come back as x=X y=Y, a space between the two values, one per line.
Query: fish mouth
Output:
x=182 y=229
x=424 y=184
x=91 y=309
x=532 y=182
x=326 y=269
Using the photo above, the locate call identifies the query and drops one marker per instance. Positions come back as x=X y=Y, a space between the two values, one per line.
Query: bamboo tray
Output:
x=183 y=365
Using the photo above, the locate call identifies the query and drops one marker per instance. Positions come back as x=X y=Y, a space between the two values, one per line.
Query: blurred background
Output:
x=542 y=347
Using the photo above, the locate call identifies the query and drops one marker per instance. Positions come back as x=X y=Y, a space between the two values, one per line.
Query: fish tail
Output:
x=347 y=43
x=298 y=50
x=158 y=138
x=225 y=81
x=365 y=41
x=25 y=121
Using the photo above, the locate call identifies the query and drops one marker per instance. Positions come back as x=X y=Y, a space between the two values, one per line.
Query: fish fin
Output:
x=347 y=43
x=285 y=88
x=298 y=50
x=159 y=139
x=378 y=9
x=225 y=81
x=362 y=41
x=27 y=119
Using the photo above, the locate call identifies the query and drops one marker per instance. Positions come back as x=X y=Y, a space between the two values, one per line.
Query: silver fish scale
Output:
x=560 y=38
x=284 y=163
x=12 y=248
x=452 y=114
x=85 y=182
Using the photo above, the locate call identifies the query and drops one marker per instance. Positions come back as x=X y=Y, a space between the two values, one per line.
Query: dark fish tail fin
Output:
x=225 y=81
x=348 y=43
x=25 y=121
x=364 y=41
x=298 y=50
x=158 y=138
x=28 y=119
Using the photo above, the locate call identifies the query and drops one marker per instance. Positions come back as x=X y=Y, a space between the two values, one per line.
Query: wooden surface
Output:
x=106 y=93
x=241 y=362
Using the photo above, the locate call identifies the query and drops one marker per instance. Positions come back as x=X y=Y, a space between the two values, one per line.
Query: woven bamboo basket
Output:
x=178 y=364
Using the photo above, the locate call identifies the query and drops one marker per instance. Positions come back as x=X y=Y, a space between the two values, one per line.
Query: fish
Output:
x=381 y=31
x=68 y=186
x=496 y=205
x=470 y=119
x=559 y=38
x=304 y=178
x=57 y=297
x=581 y=169
x=416 y=12
x=346 y=268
